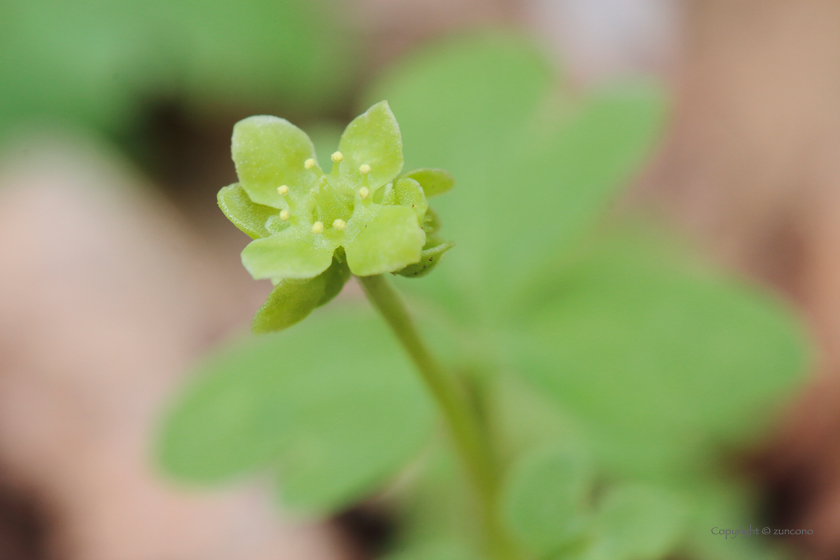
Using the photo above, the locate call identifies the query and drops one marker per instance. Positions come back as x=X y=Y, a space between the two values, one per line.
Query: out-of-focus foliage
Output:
x=92 y=62
x=579 y=335
x=334 y=409
x=546 y=497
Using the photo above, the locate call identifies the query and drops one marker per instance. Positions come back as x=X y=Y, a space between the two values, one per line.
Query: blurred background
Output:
x=117 y=270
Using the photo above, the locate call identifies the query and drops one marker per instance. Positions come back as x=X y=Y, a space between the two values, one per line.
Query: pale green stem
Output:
x=470 y=440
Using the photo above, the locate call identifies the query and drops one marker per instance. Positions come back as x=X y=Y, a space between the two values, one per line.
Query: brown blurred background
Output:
x=750 y=169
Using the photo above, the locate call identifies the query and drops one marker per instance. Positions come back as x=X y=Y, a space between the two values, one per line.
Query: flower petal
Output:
x=433 y=181
x=390 y=241
x=291 y=301
x=409 y=193
x=373 y=138
x=429 y=259
x=245 y=214
x=286 y=255
x=270 y=152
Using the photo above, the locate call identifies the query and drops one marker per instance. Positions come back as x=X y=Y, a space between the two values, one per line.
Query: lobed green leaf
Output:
x=334 y=424
x=655 y=354
x=545 y=497
x=639 y=522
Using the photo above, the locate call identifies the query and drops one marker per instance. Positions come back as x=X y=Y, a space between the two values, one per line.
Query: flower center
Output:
x=333 y=196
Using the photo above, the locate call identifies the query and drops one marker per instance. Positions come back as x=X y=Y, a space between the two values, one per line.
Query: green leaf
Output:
x=429 y=259
x=410 y=194
x=270 y=152
x=458 y=98
x=661 y=359
x=434 y=181
x=459 y=103
x=334 y=424
x=436 y=505
x=443 y=550
x=535 y=167
x=640 y=522
x=291 y=301
x=565 y=181
x=248 y=216
x=717 y=506
x=390 y=241
x=287 y=255
x=93 y=63
x=544 y=499
x=373 y=138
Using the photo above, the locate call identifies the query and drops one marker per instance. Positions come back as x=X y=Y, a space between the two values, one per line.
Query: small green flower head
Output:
x=362 y=217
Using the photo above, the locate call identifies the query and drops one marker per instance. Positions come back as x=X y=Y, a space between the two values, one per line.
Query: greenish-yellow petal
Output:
x=409 y=193
x=434 y=181
x=373 y=139
x=390 y=241
x=286 y=255
x=429 y=259
x=291 y=301
x=245 y=214
x=270 y=152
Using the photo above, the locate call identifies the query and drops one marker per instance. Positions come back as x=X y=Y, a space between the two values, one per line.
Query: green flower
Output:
x=311 y=229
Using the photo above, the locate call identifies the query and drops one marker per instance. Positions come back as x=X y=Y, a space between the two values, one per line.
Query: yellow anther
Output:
x=284 y=215
x=337 y=156
x=317 y=227
x=309 y=164
x=283 y=190
x=364 y=169
x=339 y=224
x=364 y=192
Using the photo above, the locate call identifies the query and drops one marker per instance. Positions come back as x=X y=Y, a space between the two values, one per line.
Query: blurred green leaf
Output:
x=434 y=551
x=726 y=506
x=95 y=62
x=534 y=168
x=545 y=498
x=436 y=506
x=639 y=522
x=334 y=424
x=661 y=359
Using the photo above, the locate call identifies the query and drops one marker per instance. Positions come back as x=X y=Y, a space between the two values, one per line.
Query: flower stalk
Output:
x=468 y=437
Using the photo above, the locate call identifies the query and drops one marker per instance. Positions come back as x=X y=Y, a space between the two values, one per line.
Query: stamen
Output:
x=284 y=215
x=364 y=169
x=336 y=158
x=283 y=190
x=310 y=164
x=317 y=228
x=364 y=192
x=339 y=224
